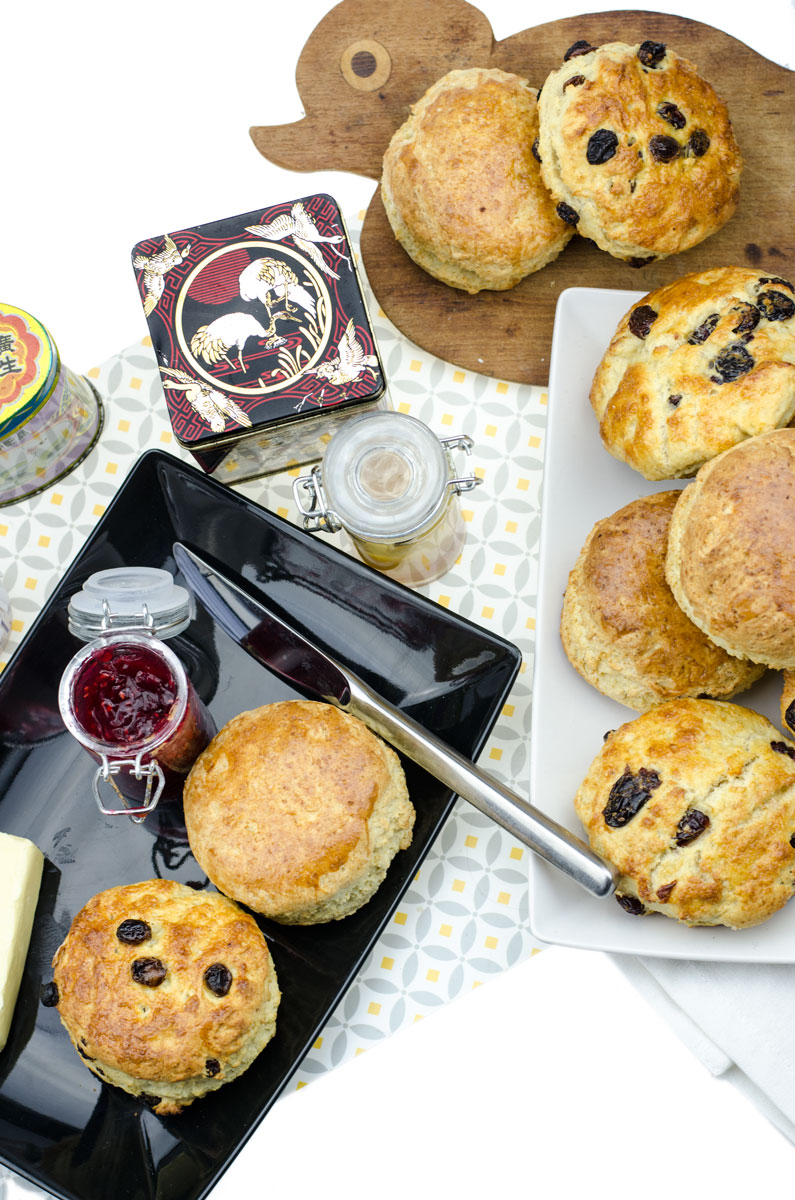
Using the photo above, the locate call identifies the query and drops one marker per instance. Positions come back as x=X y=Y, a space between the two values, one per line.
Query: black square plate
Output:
x=58 y=1125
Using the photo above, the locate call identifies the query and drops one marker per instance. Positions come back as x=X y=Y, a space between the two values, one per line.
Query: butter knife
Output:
x=286 y=652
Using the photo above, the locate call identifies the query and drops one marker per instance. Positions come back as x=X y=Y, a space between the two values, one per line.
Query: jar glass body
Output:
x=389 y=483
x=170 y=726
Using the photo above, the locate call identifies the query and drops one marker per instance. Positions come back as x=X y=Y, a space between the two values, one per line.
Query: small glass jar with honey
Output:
x=391 y=484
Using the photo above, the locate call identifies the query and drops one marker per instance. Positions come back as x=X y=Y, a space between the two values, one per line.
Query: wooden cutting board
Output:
x=369 y=60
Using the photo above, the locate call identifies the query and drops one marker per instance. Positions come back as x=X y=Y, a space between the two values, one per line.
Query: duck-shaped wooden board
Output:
x=368 y=61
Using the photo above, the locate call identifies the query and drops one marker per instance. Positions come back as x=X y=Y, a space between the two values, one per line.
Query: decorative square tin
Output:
x=261 y=334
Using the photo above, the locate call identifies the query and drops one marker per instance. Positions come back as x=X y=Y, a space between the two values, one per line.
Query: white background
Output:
x=121 y=121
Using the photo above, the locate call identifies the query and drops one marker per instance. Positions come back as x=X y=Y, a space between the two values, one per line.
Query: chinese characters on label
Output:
x=9 y=363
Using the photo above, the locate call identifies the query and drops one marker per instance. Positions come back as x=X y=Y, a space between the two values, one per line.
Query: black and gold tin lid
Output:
x=258 y=323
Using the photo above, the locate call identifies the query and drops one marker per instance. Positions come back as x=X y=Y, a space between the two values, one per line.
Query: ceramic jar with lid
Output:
x=50 y=418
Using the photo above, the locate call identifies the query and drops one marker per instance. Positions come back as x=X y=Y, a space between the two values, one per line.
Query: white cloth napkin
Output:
x=737 y=1018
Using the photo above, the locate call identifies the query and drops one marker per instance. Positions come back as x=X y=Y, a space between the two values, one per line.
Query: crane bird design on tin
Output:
x=155 y=268
x=258 y=320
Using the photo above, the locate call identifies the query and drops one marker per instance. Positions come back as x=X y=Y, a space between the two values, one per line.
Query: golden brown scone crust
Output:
x=462 y=189
x=621 y=627
x=296 y=809
x=632 y=204
x=694 y=368
x=730 y=561
x=175 y=1041
x=688 y=760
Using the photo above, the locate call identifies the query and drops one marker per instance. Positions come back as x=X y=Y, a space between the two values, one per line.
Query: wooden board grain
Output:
x=369 y=60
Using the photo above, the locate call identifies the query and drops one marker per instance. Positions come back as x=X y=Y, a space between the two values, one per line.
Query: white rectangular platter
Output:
x=583 y=483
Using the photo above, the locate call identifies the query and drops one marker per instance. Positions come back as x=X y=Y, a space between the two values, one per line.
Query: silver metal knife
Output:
x=274 y=643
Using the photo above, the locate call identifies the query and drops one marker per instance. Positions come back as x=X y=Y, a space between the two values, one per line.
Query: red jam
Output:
x=124 y=695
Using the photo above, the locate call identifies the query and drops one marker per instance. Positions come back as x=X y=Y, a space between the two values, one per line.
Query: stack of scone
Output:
x=295 y=809
x=487 y=179
x=691 y=594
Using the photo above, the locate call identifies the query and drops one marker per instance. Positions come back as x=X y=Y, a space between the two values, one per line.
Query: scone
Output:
x=621 y=627
x=165 y=991
x=694 y=368
x=296 y=809
x=730 y=561
x=788 y=702
x=694 y=803
x=637 y=150
x=462 y=188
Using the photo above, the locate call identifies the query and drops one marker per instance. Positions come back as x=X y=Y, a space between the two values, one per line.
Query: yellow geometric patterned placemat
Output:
x=465 y=915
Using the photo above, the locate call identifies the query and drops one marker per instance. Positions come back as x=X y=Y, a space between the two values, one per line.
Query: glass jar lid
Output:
x=130 y=598
x=385 y=476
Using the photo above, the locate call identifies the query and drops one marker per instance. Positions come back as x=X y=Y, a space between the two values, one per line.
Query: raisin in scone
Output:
x=462 y=188
x=621 y=626
x=695 y=367
x=730 y=561
x=788 y=703
x=637 y=150
x=165 y=991
x=694 y=803
x=296 y=809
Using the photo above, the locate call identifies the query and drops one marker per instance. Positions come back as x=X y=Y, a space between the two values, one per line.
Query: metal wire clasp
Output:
x=108 y=617
x=317 y=515
x=460 y=483
x=151 y=772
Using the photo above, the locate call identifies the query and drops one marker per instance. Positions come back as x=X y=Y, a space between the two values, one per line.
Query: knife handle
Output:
x=526 y=823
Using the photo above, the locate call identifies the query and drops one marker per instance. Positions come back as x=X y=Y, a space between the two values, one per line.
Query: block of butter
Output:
x=21 y=865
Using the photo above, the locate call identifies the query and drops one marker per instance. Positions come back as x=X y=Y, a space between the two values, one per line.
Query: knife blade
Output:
x=275 y=644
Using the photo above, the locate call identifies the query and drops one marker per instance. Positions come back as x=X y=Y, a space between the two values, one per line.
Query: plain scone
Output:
x=730 y=561
x=694 y=803
x=638 y=150
x=462 y=189
x=621 y=628
x=296 y=809
x=695 y=367
x=165 y=991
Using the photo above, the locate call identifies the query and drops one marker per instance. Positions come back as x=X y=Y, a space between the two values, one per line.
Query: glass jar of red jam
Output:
x=127 y=699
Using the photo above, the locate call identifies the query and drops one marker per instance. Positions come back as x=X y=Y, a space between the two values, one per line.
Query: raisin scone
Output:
x=296 y=809
x=637 y=149
x=165 y=991
x=621 y=626
x=694 y=804
x=695 y=367
x=462 y=189
x=730 y=561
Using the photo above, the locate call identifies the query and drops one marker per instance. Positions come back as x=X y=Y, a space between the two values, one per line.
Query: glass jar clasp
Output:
x=144 y=625
x=460 y=483
x=316 y=514
x=152 y=772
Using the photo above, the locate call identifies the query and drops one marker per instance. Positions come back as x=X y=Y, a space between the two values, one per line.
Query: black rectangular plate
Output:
x=60 y=1126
